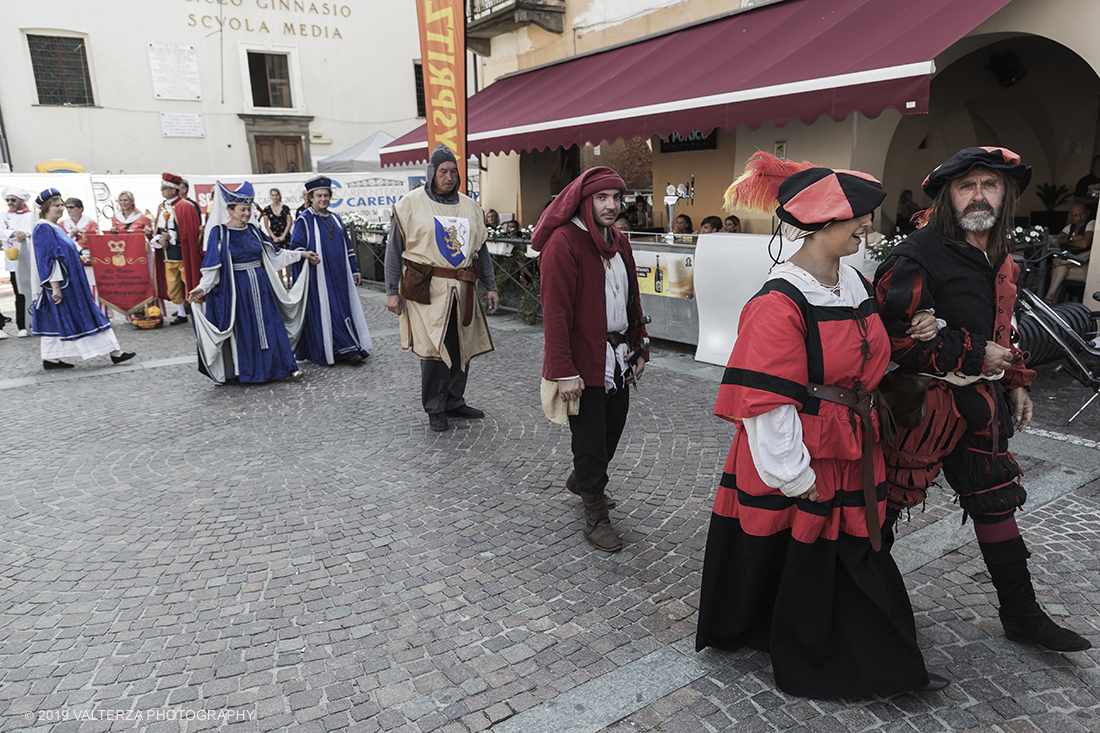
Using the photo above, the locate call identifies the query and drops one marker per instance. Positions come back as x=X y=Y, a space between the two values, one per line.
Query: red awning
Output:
x=773 y=63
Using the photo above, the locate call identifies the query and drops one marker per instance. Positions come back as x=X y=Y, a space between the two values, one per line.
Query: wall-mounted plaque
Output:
x=182 y=124
x=175 y=70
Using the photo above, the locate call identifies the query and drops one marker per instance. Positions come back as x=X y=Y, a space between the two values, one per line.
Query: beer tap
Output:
x=673 y=194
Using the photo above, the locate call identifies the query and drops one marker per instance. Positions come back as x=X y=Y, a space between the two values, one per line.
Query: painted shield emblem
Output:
x=452 y=236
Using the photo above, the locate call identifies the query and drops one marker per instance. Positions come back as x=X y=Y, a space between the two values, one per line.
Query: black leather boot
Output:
x=1022 y=618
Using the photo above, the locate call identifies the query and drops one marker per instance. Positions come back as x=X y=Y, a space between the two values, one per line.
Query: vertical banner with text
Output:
x=443 y=62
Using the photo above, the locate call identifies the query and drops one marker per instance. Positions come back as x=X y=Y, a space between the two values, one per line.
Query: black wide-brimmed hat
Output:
x=966 y=160
x=813 y=198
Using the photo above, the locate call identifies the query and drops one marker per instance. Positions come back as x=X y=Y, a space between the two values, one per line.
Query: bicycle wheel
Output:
x=1035 y=341
x=1077 y=315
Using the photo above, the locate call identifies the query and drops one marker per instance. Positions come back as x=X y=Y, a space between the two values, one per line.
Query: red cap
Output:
x=568 y=203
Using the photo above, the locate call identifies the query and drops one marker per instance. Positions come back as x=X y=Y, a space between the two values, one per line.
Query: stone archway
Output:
x=1049 y=117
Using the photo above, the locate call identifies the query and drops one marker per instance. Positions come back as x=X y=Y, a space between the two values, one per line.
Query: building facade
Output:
x=202 y=86
x=1025 y=77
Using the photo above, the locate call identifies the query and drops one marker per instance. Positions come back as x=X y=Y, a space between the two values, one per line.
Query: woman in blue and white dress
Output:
x=250 y=323
x=66 y=316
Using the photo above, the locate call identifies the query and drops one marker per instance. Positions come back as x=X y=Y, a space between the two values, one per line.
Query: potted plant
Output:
x=1051 y=197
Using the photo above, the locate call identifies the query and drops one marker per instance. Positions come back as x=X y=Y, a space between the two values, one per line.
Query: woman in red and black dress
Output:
x=790 y=568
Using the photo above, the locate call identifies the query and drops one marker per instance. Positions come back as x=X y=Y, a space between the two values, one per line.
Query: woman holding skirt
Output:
x=250 y=323
x=793 y=564
x=66 y=316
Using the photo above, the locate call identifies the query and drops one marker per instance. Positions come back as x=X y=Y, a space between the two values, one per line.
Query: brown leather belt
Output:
x=467 y=275
x=859 y=401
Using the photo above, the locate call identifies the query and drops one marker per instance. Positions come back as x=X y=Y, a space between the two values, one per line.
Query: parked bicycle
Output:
x=1064 y=331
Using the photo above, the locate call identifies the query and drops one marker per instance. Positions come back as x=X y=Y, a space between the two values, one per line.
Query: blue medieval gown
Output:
x=250 y=322
x=336 y=328
x=75 y=326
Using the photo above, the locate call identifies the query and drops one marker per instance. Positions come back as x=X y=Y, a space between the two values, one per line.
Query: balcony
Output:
x=488 y=18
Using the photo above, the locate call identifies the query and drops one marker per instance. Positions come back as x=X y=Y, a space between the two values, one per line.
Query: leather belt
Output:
x=616 y=339
x=859 y=401
x=466 y=275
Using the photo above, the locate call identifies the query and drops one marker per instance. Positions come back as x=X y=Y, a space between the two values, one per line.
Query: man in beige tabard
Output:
x=434 y=256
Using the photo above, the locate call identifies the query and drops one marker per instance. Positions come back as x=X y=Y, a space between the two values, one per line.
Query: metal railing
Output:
x=477 y=8
x=514 y=284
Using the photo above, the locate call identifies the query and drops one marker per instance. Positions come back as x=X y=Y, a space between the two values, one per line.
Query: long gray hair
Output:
x=945 y=220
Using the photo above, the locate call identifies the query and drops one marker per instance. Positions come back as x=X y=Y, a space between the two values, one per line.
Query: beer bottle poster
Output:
x=666 y=274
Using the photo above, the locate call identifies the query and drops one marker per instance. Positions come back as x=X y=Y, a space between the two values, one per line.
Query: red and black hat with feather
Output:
x=813 y=198
x=803 y=195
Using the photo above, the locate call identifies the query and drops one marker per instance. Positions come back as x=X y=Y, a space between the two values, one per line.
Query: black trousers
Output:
x=596 y=431
x=20 y=305
x=441 y=387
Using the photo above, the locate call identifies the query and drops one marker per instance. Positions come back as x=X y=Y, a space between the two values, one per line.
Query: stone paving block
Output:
x=311 y=550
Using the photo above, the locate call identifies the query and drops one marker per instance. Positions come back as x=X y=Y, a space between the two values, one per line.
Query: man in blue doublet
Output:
x=335 y=328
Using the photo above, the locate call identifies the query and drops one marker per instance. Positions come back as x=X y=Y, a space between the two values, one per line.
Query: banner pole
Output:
x=443 y=64
x=464 y=165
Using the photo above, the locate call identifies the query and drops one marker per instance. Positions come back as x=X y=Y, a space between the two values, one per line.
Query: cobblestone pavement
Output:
x=309 y=556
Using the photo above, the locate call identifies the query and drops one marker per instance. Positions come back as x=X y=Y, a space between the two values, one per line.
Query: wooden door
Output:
x=279 y=154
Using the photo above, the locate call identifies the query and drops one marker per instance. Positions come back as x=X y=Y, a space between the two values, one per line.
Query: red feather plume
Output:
x=921 y=217
x=757 y=189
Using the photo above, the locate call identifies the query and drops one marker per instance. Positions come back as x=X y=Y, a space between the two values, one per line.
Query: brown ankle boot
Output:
x=597 y=524
x=571 y=484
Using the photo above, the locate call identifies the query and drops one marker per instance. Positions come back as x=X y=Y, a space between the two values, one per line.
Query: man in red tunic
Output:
x=176 y=242
x=592 y=321
x=959 y=267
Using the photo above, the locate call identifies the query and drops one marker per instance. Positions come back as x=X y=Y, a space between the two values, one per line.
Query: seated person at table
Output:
x=1083 y=191
x=1076 y=238
x=710 y=225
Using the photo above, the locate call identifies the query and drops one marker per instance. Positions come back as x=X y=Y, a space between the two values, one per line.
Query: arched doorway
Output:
x=1049 y=116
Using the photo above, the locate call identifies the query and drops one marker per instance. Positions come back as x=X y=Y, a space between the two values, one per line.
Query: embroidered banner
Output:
x=121 y=266
x=443 y=64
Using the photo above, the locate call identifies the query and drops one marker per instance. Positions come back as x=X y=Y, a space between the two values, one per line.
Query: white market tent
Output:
x=364 y=156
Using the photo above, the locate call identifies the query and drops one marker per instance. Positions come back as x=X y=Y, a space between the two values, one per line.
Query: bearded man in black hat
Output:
x=959 y=268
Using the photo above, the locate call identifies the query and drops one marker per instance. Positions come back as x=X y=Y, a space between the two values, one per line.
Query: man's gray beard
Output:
x=977 y=221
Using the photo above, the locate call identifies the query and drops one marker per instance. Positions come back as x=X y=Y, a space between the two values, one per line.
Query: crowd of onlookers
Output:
x=635 y=218
x=277 y=221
